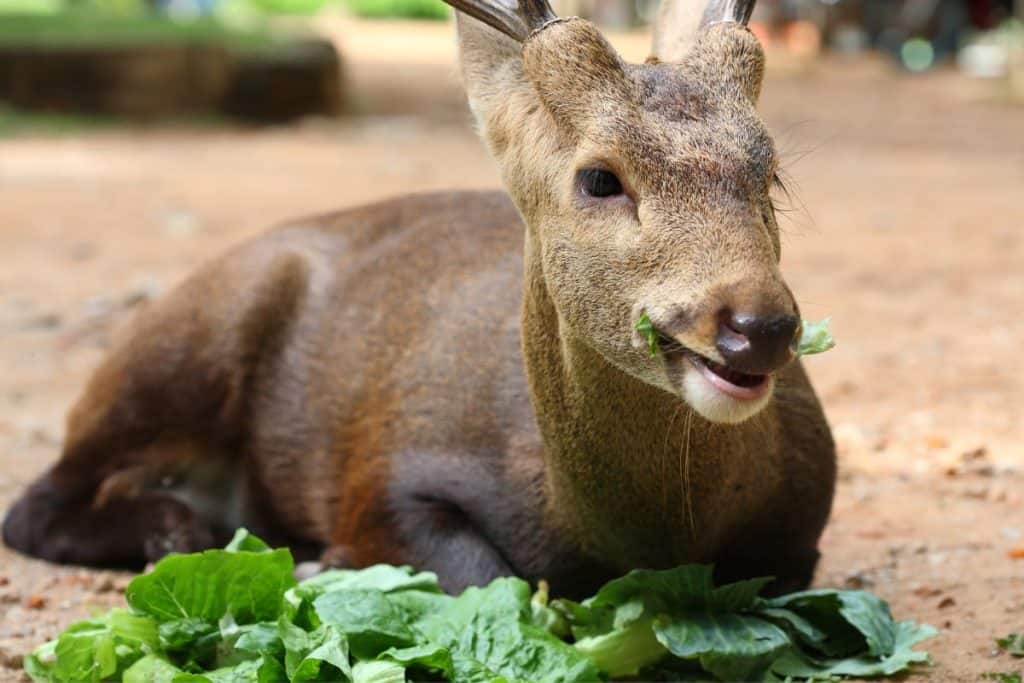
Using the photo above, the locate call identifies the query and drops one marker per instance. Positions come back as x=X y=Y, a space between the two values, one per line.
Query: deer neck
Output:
x=628 y=465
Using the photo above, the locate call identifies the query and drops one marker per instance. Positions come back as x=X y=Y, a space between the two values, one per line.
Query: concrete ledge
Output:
x=157 y=81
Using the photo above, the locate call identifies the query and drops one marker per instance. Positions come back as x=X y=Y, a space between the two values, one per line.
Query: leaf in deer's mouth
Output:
x=645 y=327
x=815 y=338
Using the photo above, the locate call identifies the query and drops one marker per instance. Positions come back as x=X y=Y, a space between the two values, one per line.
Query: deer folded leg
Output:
x=783 y=551
x=153 y=459
x=444 y=539
x=421 y=526
x=47 y=524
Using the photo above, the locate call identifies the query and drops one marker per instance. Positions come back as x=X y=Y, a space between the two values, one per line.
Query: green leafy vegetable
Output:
x=235 y=615
x=244 y=541
x=646 y=328
x=212 y=583
x=815 y=338
x=1013 y=643
x=308 y=655
x=624 y=651
x=94 y=649
x=1002 y=677
x=378 y=672
x=367 y=618
x=151 y=669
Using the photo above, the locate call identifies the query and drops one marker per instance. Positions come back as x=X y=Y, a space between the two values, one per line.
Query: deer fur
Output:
x=422 y=382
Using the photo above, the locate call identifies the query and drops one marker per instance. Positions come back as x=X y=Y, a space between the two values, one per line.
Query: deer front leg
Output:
x=440 y=536
x=439 y=542
x=419 y=510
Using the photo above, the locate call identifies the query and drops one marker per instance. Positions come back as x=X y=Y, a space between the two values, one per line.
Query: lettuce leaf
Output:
x=378 y=672
x=815 y=338
x=798 y=664
x=428 y=658
x=151 y=669
x=259 y=670
x=309 y=656
x=212 y=583
x=95 y=649
x=367 y=618
x=657 y=619
x=492 y=627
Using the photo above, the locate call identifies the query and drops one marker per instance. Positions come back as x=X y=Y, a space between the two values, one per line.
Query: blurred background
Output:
x=279 y=60
x=139 y=138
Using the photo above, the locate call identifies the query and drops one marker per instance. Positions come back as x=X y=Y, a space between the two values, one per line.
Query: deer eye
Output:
x=597 y=182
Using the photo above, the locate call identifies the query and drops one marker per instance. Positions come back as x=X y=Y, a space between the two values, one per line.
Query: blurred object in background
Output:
x=980 y=35
x=159 y=59
x=990 y=54
x=266 y=61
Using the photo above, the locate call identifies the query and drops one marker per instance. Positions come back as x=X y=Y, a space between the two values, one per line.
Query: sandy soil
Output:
x=906 y=229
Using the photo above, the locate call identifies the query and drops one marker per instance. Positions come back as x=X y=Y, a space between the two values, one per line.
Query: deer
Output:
x=457 y=381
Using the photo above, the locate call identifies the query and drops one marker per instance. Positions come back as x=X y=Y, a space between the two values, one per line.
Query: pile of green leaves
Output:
x=237 y=615
x=399 y=9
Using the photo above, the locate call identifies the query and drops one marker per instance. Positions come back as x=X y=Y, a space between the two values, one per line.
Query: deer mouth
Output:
x=733 y=383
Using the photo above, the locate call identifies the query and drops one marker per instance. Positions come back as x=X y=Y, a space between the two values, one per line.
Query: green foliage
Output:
x=287 y=6
x=815 y=338
x=733 y=634
x=31 y=6
x=248 y=585
x=399 y=9
x=1012 y=643
x=1002 y=677
x=141 y=7
x=236 y=615
x=646 y=328
x=80 y=28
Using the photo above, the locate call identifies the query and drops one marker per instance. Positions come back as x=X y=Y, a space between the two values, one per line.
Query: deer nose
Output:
x=756 y=344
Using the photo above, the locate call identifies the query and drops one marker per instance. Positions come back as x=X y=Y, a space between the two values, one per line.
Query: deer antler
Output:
x=727 y=12
x=515 y=18
x=680 y=22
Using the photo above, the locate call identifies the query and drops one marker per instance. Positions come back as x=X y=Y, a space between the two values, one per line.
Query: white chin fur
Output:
x=715 y=406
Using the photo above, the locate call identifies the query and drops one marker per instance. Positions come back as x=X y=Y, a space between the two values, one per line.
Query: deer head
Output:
x=645 y=190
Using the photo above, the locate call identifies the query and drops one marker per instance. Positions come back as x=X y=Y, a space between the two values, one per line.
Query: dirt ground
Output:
x=907 y=223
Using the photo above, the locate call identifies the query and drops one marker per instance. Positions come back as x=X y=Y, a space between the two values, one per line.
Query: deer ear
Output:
x=711 y=41
x=577 y=73
x=491 y=34
x=491 y=65
x=728 y=56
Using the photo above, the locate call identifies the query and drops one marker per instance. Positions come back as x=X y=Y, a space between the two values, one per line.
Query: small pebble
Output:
x=105 y=585
x=858 y=579
x=44 y=321
x=83 y=251
x=35 y=602
x=11 y=656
